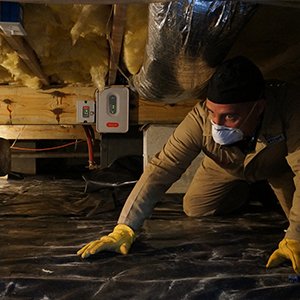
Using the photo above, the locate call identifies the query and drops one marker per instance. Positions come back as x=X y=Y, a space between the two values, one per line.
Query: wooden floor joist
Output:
x=28 y=56
x=289 y=3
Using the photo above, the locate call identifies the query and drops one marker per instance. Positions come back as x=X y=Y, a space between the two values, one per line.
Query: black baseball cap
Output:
x=236 y=80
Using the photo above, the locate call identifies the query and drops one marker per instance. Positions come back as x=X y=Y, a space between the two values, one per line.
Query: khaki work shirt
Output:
x=277 y=151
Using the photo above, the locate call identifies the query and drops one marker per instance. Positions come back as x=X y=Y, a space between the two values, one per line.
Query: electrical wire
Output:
x=112 y=57
x=110 y=44
x=21 y=131
x=47 y=149
x=90 y=140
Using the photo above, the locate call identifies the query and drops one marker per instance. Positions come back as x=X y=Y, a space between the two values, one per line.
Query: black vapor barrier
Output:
x=44 y=221
x=119 y=178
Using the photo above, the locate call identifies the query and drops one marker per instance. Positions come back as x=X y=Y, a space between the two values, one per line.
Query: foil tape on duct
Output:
x=186 y=40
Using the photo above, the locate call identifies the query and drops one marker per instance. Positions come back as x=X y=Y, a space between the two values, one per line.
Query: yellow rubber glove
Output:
x=120 y=241
x=288 y=249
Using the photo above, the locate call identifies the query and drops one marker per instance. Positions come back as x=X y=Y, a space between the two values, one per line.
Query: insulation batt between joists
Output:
x=70 y=42
x=11 y=62
x=72 y=47
x=135 y=36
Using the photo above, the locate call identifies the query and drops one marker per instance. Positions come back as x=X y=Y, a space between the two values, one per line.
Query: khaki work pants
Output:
x=213 y=191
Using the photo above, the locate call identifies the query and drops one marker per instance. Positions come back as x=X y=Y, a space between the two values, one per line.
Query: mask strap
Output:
x=248 y=115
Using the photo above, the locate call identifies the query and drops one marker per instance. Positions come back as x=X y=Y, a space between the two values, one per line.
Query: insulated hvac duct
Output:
x=186 y=40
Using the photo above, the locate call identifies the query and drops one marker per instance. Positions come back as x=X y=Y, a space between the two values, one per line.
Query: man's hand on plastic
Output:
x=120 y=241
x=288 y=249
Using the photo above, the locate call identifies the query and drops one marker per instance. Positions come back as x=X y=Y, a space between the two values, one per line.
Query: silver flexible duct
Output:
x=186 y=40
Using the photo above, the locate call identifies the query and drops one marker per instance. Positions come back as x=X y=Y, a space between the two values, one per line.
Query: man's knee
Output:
x=193 y=208
x=199 y=206
x=196 y=213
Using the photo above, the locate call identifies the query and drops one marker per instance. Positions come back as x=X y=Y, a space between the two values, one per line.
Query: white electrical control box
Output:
x=112 y=112
x=85 y=111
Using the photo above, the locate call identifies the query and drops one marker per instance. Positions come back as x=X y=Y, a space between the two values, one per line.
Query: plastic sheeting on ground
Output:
x=45 y=221
x=124 y=171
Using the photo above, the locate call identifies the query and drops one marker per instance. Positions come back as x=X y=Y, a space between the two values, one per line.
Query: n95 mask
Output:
x=226 y=135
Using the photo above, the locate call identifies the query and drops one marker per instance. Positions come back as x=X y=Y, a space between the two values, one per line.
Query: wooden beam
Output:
x=92 y=1
x=24 y=106
x=43 y=132
x=20 y=45
x=288 y=3
x=116 y=40
x=284 y=58
x=160 y=113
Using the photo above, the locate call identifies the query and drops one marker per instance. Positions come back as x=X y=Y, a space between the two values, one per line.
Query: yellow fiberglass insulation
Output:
x=84 y=62
x=95 y=52
x=135 y=36
x=81 y=63
x=10 y=61
x=66 y=15
x=93 y=19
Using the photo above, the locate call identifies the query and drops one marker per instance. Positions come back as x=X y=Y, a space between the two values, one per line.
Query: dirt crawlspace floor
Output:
x=44 y=221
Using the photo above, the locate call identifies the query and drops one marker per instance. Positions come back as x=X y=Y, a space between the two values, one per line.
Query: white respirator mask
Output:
x=226 y=135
